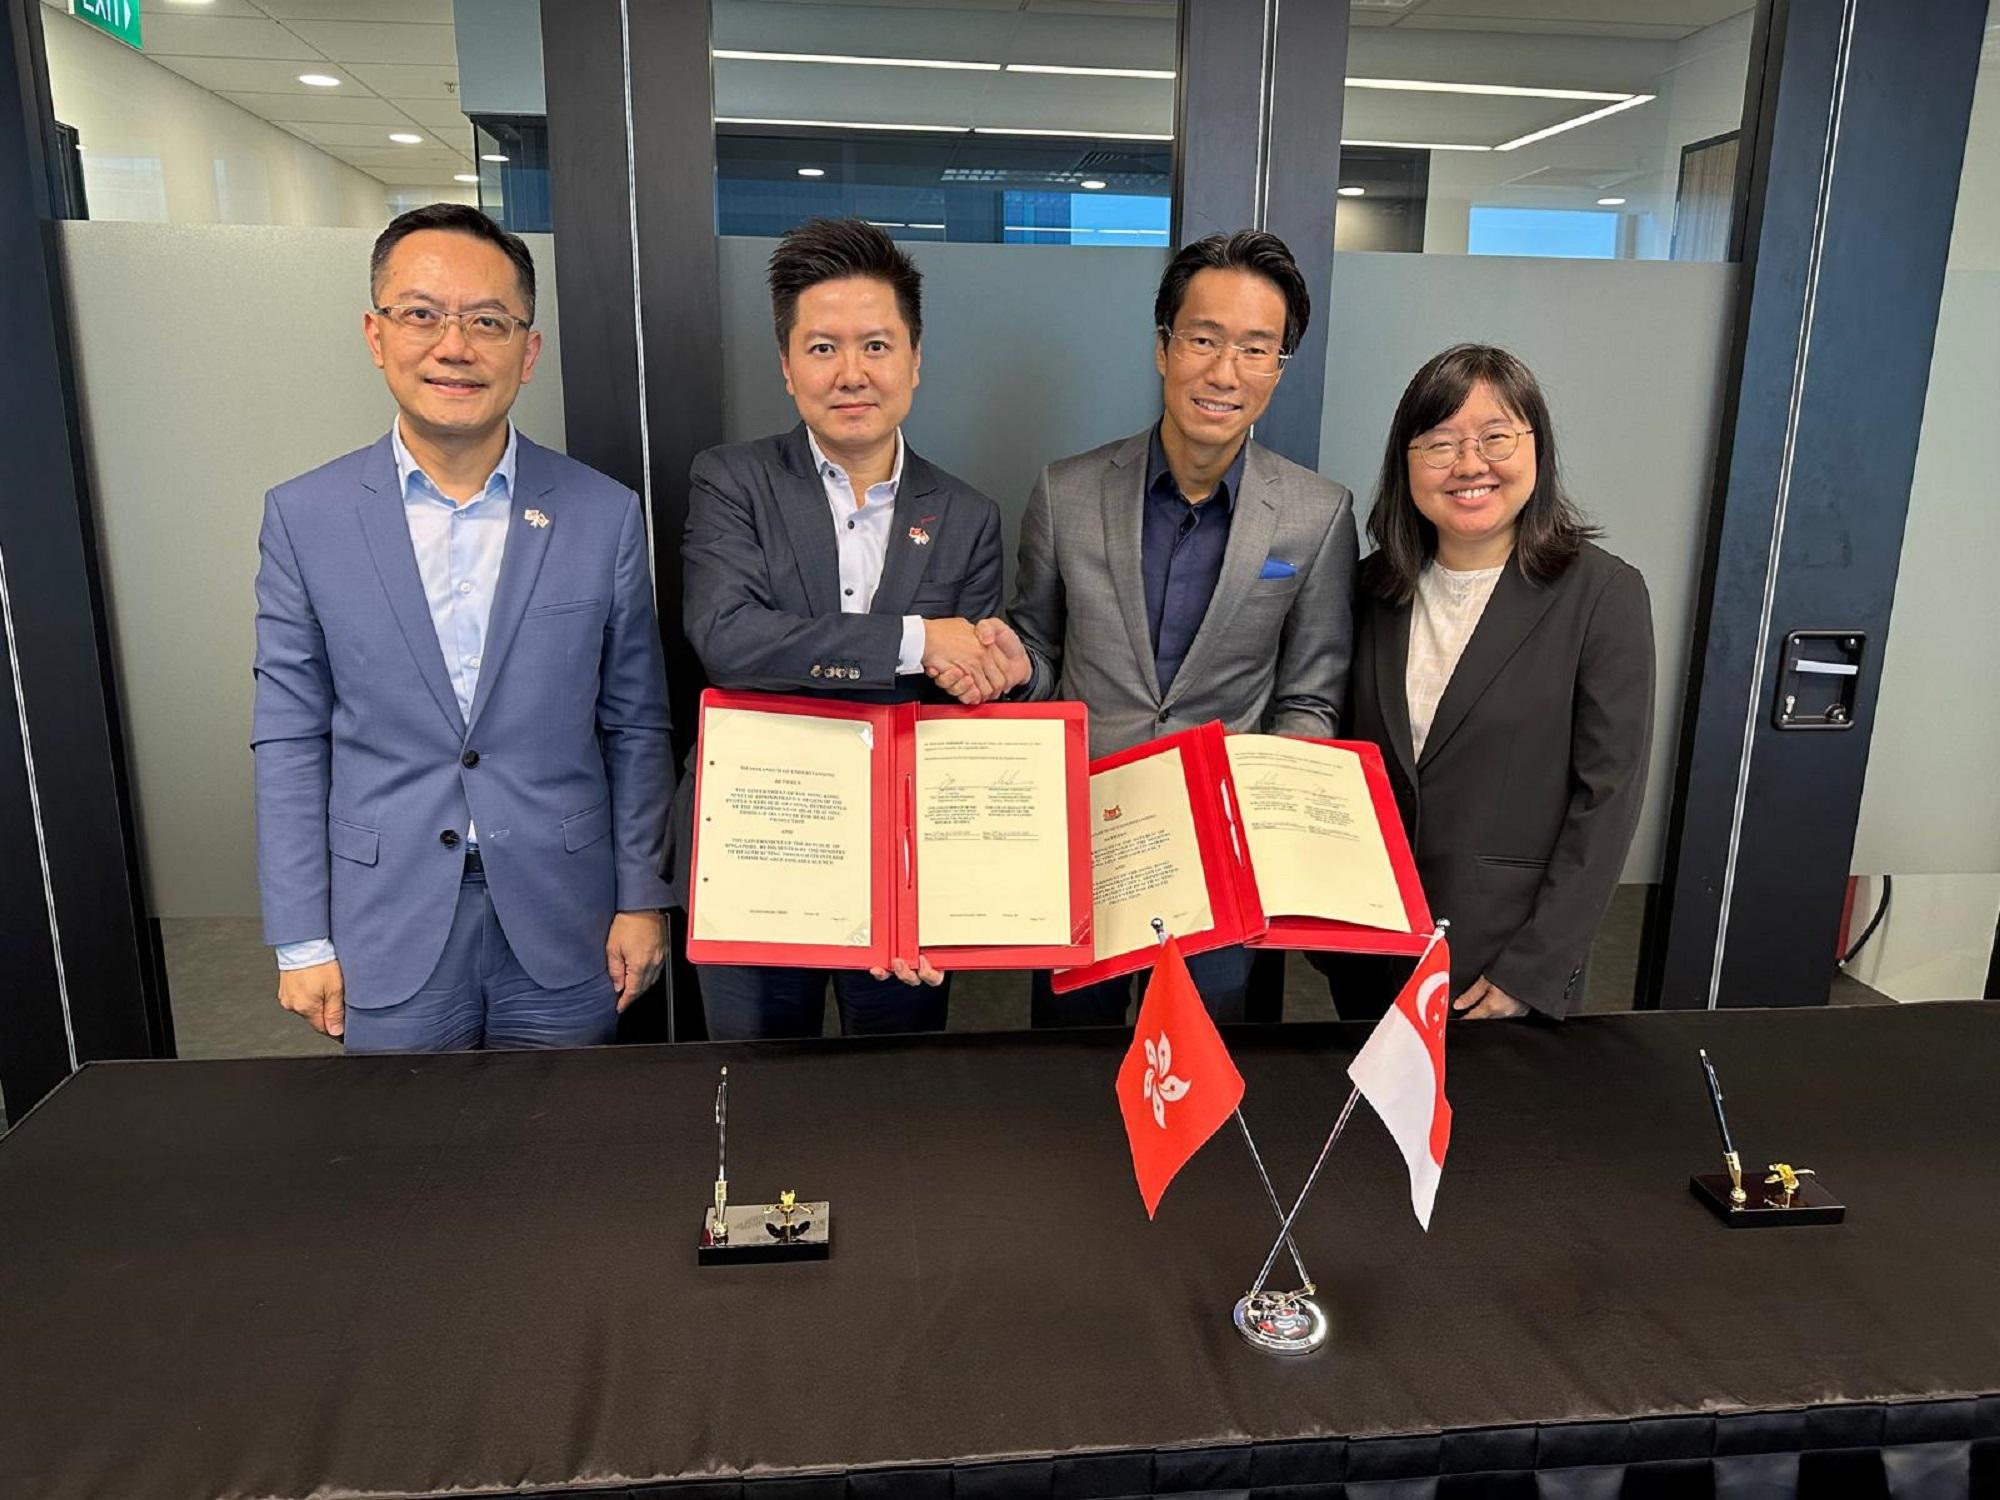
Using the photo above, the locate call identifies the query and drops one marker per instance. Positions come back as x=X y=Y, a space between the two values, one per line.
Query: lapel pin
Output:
x=535 y=518
x=920 y=536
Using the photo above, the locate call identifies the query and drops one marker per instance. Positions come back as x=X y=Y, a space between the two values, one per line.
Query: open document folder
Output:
x=1264 y=840
x=842 y=835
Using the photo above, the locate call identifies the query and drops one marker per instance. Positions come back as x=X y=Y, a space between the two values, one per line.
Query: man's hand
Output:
x=961 y=662
x=318 y=993
x=923 y=973
x=1005 y=656
x=1486 y=1001
x=634 y=952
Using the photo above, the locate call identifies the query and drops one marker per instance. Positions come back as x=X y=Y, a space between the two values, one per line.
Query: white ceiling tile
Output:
x=397 y=81
x=178 y=34
x=435 y=12
x=382 y=42
x=247 y=75
x=374 y=136
x=435 y=114
x=325 y=109
x=180 y=8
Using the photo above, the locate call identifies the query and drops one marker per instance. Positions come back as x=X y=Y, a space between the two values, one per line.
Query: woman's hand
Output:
x=1486 y=1001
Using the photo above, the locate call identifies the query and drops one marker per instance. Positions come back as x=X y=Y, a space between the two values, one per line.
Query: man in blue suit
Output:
x=461 y=724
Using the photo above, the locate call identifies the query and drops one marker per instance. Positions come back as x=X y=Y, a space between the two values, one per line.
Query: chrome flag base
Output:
x=1281 y=1322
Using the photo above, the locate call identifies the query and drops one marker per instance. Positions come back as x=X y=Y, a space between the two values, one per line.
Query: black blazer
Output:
x=761 y=584
x=1523 y=804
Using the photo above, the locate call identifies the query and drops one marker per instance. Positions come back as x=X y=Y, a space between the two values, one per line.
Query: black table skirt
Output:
x=474 y=1274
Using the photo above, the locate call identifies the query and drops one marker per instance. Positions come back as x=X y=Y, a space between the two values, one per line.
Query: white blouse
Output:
x=1443 y=616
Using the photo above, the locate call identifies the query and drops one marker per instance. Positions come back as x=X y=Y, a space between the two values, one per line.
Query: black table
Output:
x=389 y=1276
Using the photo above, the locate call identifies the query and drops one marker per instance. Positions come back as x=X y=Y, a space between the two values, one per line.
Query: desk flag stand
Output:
x=1178 y=1085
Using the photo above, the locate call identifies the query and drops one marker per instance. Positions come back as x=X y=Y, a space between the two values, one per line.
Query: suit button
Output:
x=469 y=759
x=1164 y=716
x=449 y=838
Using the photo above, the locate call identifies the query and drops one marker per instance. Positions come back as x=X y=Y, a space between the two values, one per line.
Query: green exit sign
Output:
x=119 y=17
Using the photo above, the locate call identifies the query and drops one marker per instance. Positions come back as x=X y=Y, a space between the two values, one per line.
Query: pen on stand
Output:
x=1730 y=1159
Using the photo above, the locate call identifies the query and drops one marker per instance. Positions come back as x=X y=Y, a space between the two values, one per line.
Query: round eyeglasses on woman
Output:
x=1260 y=360
x=1495 y=447
x=426 y=323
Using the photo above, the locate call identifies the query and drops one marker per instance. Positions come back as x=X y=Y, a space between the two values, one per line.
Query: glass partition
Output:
x=1925 y=903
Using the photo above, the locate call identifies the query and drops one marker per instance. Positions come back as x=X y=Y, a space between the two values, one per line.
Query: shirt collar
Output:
x=1160 y=478
x=408 y=469
x=821 y=463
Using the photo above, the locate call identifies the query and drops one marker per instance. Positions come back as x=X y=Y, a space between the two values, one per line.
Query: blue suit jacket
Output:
x=363 y=758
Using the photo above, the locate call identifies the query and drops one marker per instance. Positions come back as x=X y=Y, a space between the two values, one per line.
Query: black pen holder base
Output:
x=1767 y=1205
x=759 y=1234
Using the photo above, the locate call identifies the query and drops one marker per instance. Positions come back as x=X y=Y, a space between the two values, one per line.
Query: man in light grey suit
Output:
x=461 y=724
x=1185 y=573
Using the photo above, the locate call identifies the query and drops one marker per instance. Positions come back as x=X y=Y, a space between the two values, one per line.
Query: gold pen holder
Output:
x=1786 y=1197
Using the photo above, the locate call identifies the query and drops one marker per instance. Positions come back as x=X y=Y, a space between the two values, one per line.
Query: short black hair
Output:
x=459 y=218
x=833 y=250
x=1550 y=530
x=1251 y=250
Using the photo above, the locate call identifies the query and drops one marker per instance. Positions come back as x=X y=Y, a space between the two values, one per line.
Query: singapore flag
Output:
x=1400 y=1071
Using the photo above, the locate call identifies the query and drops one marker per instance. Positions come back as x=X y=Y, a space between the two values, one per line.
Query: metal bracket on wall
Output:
x=1818 y=683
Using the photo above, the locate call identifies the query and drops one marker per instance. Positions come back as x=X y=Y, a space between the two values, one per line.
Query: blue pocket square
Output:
x=1277 y=567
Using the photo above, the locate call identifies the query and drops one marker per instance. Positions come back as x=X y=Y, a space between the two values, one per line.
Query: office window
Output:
x=1515 y=127
x=996 y=126
x=1569 y=233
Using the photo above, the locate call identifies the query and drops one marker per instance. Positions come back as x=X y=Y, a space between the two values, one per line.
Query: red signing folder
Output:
x=1225 y=859
x=1324 y=935
x=1235 y=901
x=894 y=867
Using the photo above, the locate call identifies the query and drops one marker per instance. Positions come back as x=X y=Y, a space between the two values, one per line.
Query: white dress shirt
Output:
x=1443 y=616
x=458 y=548
x=861 y=532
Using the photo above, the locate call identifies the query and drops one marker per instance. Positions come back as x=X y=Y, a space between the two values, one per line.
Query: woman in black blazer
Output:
x=1505 y=665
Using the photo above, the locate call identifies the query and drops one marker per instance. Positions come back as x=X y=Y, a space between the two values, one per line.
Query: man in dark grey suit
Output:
x=832 y=559
x=1185 y=573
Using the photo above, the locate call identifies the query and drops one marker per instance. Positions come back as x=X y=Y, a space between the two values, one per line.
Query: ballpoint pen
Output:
x=1737 y=1197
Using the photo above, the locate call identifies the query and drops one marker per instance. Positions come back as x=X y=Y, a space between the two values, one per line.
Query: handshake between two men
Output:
x=975 y=663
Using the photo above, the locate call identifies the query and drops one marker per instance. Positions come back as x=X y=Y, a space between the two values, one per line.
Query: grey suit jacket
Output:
x=1272 y=652
x=761 y=574
x=1523 y=804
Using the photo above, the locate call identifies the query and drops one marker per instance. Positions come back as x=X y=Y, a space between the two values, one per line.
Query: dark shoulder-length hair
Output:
x=1549 y=531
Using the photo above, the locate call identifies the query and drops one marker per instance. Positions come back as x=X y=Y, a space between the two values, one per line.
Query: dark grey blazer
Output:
x=761 y=580
x=1524 y=802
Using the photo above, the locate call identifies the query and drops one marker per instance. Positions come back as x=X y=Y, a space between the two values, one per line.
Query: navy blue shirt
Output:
x=1180 y=556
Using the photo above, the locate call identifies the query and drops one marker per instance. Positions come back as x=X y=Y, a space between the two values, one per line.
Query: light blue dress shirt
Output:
x=861 y=532
x=458 y=548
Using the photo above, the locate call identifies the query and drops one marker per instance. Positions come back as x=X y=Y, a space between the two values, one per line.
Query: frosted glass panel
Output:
x=215 y=362
x=1632 y=358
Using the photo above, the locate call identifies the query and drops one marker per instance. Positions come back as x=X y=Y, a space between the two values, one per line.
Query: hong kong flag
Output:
x=1400 y=1070
x=1177 y=1084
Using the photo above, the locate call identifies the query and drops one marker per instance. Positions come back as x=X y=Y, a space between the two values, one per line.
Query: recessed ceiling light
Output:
x=736 y=55
x=836 y=124
x=1091 y=184
x=465 y=177
x=1499 y=90
x=404 y=138
x=1092 y=135
x=1417 y=145
x=1351 y=192
x=1609 y=202
x=1596 y=114
x=812 y=171
x=492 y=156
x=320 y=80
x=1166 y=73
